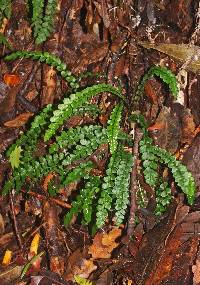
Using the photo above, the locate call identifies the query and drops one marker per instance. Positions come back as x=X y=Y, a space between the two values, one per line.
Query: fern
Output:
x=49 y=59
x=121 y=186
x=84 y=201
x=5 y=10
x=4 y=41
x=115 y=187
x=114 y=127
x=37 y=15
x=163 y=197
x=74 y=135
x=151 y=155
x=35 y=169
x=149 y=161
x=70 y=105
x=165 y=75
x=43 y=14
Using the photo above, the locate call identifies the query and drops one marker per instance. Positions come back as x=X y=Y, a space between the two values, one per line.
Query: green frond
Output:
x=163 y=198
x=69 y=138
x=121 y=186
x=84 y=201
x=47 y=22
x=105 y=200
x=43 y=14
x=81 y=171
x=165 y=75
x=149 y=161
x=113 y=127
x=4 y=41
x=37 y=15
x=69 y=106
x=182 y=176
x=49 y=59
x=5 y=10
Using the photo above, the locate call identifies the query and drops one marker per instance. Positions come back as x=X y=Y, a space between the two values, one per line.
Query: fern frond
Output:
x=182 y=176
x=163 y=198
x=121 y=186
x=149 y=161
x=47 y=24
x=105 y=200
x=4 y=41
x=37 y=15
x=43 y=13
x=69 y=138
x=5 y=10
x=84 y=201
x=69 y=106
x=81 y=171
x=165 y=75
x=49 y=59
x=151 y=155
x=113 y=127
x=35 y=169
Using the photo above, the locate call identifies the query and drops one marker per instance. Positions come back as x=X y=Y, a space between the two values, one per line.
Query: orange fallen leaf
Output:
x=11 y=79
x=103 y=244
x=47 y=180
x=86 y=268
x=7 y=257
x=19 y=120
x=35 y=244
x=156 y=126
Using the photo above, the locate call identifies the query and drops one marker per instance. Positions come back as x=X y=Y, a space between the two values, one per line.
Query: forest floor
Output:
x=121 y=40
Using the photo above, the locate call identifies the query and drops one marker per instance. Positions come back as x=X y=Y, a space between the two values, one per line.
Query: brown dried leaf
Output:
x=181 y=52
x=103 y=244
x=47 y=180
x=19 y=120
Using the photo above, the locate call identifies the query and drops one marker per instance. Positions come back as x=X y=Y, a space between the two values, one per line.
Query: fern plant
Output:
x=152 y=156
x=43 y=13
x=68 y=152
x=5 y=10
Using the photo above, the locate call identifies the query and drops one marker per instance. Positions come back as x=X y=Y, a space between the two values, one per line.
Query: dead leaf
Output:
x=19 y=120
x=181 y=52
x=86 y=268
x=103 y=244
x=7 y=257
x=47 y=180
x=11 y=79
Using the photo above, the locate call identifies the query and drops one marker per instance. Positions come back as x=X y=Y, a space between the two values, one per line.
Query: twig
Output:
x=133 y=190
x=15 y=221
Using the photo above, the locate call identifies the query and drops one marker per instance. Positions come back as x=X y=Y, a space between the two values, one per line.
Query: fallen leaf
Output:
x=11 y=79
x=103 y=244
x=7 y=257
x=35 y=244
x=181 y=52
x=19 y=120
x=47 y=180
